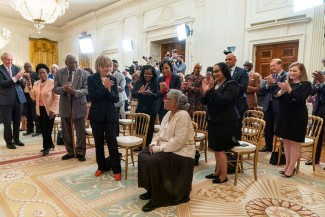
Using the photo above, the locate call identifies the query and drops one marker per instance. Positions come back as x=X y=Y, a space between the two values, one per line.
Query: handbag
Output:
x=275 y=156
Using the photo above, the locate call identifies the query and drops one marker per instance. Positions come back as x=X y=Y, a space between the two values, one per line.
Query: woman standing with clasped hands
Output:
x=103 y=93
x=293 y=114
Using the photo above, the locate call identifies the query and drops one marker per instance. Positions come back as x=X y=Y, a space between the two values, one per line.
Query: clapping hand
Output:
x=319 y=77
x=108 y=83
x=207 y=84
x=285 y=87
x=270 y=80
x=163 y=86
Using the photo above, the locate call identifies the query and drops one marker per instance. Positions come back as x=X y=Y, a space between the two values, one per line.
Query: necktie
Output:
x=10 y=72
x=70 y=77
x=231 y=72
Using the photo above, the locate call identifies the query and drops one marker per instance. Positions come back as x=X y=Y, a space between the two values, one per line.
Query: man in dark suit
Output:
x=71 y=84
x=319 y=109
x=166 y=82
x=271 y=104
x=11 y=99
x=241 y=76
x=29 y=105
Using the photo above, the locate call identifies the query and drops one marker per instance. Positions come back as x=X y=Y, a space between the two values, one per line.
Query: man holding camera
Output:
x=177 y=62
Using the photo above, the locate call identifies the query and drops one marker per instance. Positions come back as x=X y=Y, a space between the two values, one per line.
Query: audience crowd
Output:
x=169 y=92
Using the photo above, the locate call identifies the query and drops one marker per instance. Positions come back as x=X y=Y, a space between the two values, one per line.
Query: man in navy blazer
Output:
x=271 y=104
x=241 y=76
x=12 y=98
x=319 y=108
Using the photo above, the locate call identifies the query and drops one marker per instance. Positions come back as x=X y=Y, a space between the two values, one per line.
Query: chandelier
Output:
x=40 y=11
x=4 y=38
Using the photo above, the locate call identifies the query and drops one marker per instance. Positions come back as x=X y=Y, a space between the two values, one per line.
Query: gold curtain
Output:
x=85 y=60
x=43 y=51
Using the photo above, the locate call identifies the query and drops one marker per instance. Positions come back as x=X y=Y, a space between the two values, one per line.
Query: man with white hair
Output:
x=71 y=84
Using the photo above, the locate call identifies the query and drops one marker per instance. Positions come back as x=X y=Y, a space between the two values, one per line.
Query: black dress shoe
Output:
x=149 y=207
x=310 y=162
x=265 y=149
x=218 y=180
x=46 y=152
x=18 y=142
x=80 y=157
x=144 y=196
x=28 y=133
x=67 y=156
x=36 y=134
x=11 y=146
x=211 y=176
x=292 y=174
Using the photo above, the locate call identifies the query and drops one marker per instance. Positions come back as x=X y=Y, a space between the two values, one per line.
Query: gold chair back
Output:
x=141 y=125
x=254 y=114
x=199 y=117
x=252 y=131
x=258 y=108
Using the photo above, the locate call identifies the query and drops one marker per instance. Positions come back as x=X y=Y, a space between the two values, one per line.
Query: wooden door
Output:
x=179 y=46
x=288 y=52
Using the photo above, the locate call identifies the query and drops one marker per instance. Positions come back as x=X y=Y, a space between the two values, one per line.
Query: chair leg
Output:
x=255 y=167
x=54 y=133
x=241 y=164
x=206 y=151
x=132 y=158
x=298 y=165
x=126 y=162
x=236 y=174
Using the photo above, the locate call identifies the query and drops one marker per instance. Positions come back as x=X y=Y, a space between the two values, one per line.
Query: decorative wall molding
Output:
x=268 y=5
x=274 y=23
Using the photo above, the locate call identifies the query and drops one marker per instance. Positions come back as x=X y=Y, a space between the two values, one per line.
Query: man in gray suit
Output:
x=12 y=98
x=71 y=84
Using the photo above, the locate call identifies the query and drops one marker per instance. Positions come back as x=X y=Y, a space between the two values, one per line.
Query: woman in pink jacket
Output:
x=47 y=104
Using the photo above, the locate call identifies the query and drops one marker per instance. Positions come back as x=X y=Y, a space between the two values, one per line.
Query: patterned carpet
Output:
x=33 y=186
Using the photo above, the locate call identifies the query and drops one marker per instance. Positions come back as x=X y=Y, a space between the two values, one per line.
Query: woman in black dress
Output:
x=222 y=116
x=145 y=89
x=293 y=114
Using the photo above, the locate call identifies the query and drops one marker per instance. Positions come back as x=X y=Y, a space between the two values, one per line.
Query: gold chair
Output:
x=314 y=127
x=199 y=117
x=250 y=144
x=258 y=108
x=138 y=139
x=254 y=114
x=56 y=127
x=129 y=121
x=157 y=124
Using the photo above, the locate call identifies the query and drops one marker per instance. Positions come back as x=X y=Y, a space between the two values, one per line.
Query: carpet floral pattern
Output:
x=34 y=186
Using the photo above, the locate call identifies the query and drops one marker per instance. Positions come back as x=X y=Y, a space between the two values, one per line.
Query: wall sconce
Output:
x=183 y=31
x=85 y=43
x=127 y=45
x=229 y=50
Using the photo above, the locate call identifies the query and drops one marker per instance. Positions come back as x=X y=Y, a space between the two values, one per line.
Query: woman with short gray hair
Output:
x=170 y=157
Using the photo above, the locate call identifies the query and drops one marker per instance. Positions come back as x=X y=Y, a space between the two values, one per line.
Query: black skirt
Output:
x=167 y=177
x=221 y=136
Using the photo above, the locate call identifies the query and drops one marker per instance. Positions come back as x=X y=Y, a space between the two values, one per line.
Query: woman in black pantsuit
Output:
x=103 y=93
x=145 y=89
x=293 y=114
x=222 y=116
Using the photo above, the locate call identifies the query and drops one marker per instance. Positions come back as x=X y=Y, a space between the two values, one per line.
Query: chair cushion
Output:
x=89 y=131
x=157 y=128
x=129 y=140
x=308 y=142
x=125 y=121
x=127 y=112
x=248 y=148
x=200 y=136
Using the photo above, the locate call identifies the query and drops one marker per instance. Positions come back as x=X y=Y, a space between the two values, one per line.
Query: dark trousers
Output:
x=30 y=114
x=320 y=112
x=11 y=113
x=46 y=126
x=270 y=118
x=118 y=125
x=104 y=131
x=79 y=126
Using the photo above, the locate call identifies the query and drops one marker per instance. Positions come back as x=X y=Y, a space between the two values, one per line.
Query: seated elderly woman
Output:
x=166 y=166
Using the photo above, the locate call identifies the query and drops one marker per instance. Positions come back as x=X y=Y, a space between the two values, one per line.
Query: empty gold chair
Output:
x=199 y=117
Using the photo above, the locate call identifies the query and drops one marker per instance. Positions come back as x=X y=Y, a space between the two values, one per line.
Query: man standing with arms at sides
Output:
x=319 y=108
x=29 y=106
x=254 y=85
x=12 y=99
x=241 y=76
x=271 y=104
x=71 y=84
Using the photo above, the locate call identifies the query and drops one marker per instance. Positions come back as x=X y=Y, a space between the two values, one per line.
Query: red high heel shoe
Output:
x=117 y=176
x=98 y=173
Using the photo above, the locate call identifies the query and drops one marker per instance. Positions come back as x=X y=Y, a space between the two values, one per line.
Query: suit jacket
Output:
x=9 y=89
x=320 y=97
x=102 y=101
x=50 y=100
x=241 y=76
x=221 y=103
x=146 y=103
x=79 y=101
x=175 y=83
x=271 y=90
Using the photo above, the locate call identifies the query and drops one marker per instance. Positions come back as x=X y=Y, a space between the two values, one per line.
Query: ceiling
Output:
x=77 y=8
